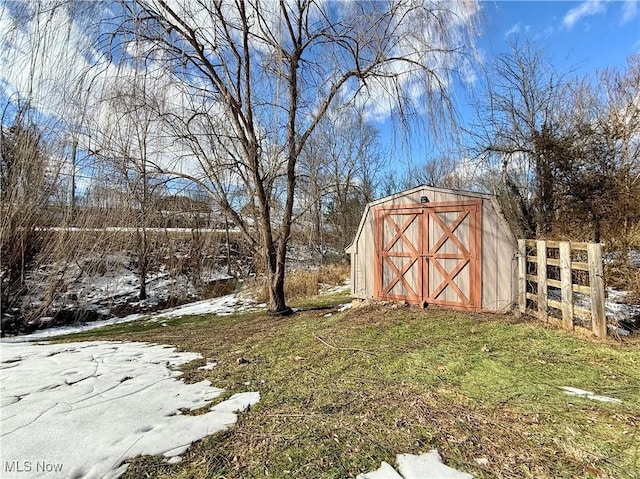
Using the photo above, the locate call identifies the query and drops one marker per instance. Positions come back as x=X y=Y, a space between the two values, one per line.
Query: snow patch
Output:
x=344 y=307
x=589 y=395
x=617 y=311
x=385 y=471
x=424 y=466
x=222 y=306
x=209 y=366
x=342 y=288
x=43 y=334
x=84 y=409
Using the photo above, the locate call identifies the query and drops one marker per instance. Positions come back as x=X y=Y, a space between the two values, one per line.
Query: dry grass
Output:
x=334 y=274
x=626 y=238
x=303 y=283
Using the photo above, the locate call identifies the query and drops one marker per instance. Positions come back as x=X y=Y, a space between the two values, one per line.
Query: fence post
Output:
x=522 y=276
x=541 y=253
x=596 y=283
x=566 y=285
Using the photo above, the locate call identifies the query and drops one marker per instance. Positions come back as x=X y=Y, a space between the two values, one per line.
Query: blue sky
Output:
x=591 y=34
x=578 y=36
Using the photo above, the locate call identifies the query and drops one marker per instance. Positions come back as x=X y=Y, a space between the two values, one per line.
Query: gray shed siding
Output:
x=498 y=247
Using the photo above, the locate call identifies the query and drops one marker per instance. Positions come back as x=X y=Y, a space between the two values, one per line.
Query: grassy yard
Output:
x=342 y=392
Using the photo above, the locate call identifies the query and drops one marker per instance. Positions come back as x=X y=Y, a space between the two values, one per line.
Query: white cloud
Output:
x=40 y=60
x=588 y=8
x=629 y=11
x=585 y=9
x=514 y=30
x=544 y=33
x=517 y=28
x=441 y=30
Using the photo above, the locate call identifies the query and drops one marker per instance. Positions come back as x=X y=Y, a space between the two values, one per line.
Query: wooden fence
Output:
x=566 y=268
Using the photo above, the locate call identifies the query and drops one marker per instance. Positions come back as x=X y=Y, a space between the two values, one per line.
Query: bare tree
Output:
x=340 y=171
x=31 y=145
x=128 y=140
x=256 y=79
x=25 y=189
x=518 y=129
x=443 y=171
x=621 y=92
x=598 y=171
x=354 y=161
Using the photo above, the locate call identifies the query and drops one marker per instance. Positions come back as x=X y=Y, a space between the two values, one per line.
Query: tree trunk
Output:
x=74 y=154
x=142 y=263
x=544 y=195
x=276 y=277
x=228 y=244
x=277 y=303
x=521 y=211
x=597 y=228
x=317 y=218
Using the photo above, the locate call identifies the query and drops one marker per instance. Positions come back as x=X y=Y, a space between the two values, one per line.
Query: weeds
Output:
x=304 y=283
x=334 y=274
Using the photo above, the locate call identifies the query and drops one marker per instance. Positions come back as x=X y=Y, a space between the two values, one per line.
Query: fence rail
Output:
x=564 y=266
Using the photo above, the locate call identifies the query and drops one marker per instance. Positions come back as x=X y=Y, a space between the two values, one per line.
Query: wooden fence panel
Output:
x=564 y=262
x=566 y=285
x=543 y=296
x=596 y=282
x=522 y=276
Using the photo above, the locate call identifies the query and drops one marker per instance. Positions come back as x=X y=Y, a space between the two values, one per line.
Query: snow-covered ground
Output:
x=620 y=313
x=224 y=305
x=631 y=258
x=622 y=318
x=84 y=409
x=105 y=288
x=114 y=289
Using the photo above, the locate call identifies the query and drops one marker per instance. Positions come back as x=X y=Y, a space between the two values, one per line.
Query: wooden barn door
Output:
x=430 y=253
x=399 y=239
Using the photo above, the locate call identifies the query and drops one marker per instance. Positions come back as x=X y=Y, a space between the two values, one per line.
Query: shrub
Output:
x=302 y=283
x=334 y=274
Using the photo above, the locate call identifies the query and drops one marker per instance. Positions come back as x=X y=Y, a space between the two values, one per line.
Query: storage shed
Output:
x=438 y=246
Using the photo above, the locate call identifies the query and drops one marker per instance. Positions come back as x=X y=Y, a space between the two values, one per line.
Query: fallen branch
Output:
x=344 y=349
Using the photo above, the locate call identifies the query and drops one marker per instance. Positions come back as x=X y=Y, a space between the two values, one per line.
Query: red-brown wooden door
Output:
x=430 y=253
